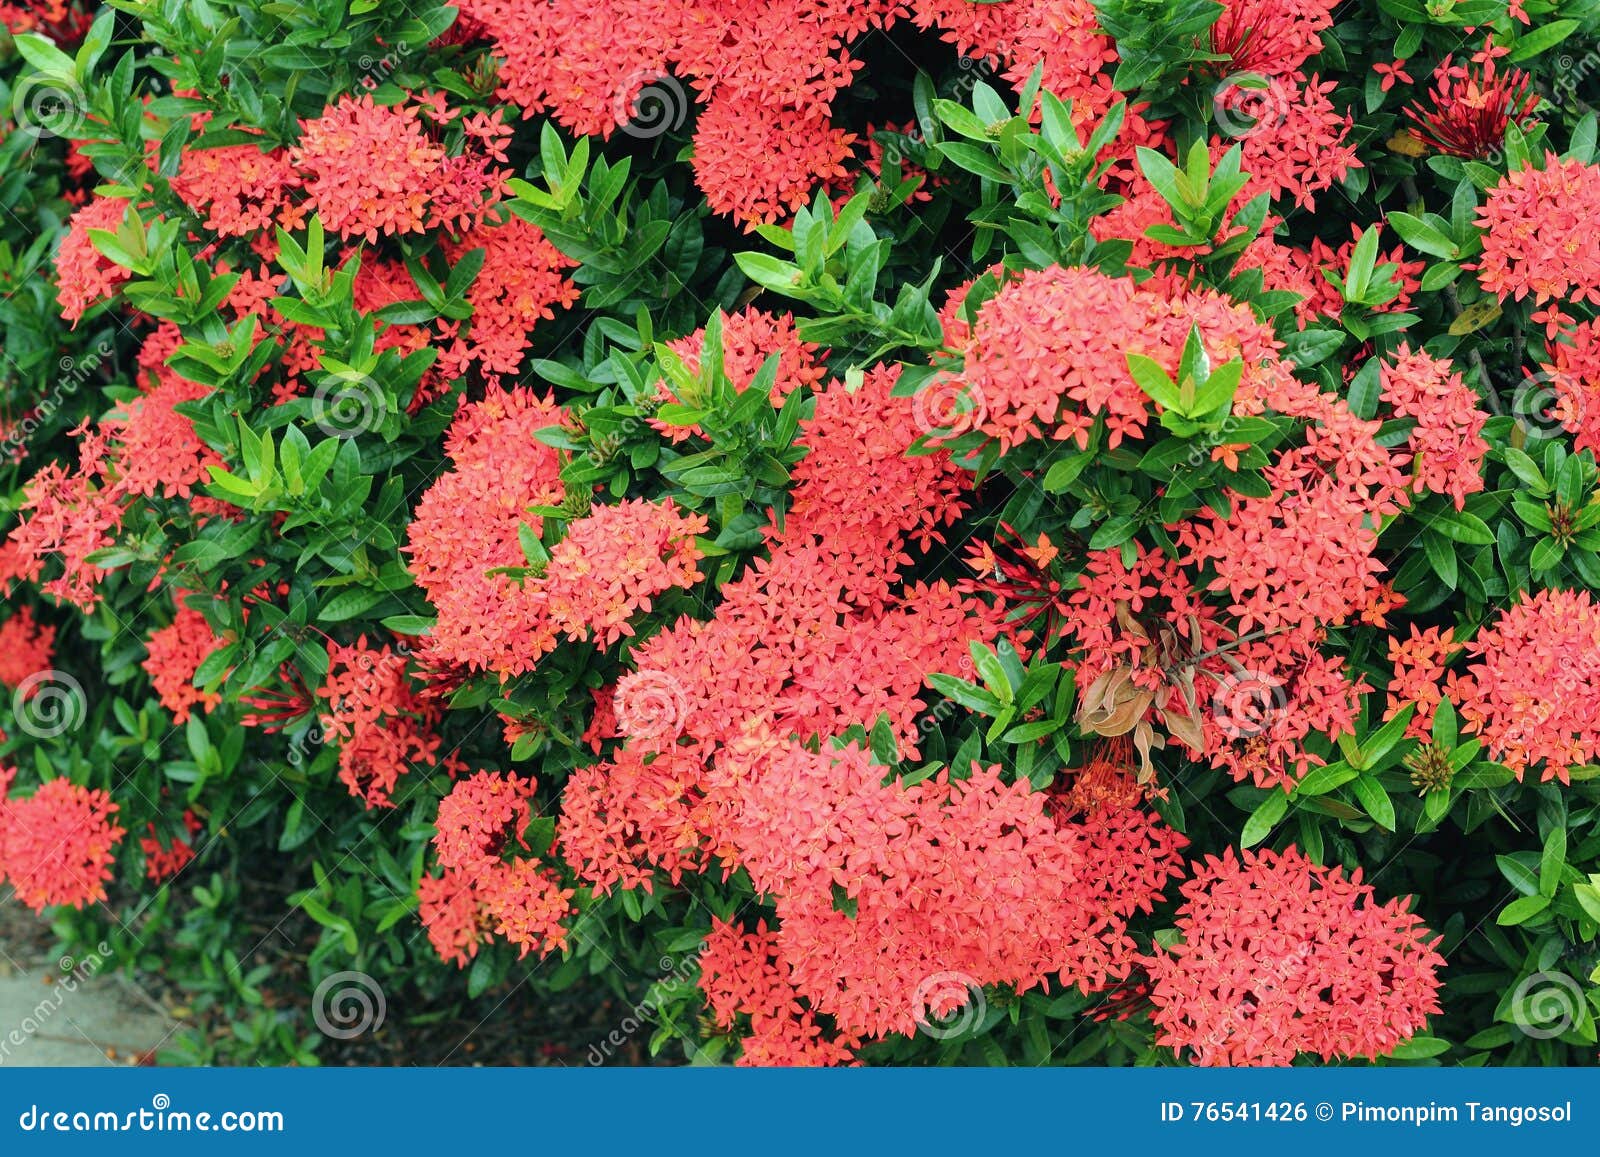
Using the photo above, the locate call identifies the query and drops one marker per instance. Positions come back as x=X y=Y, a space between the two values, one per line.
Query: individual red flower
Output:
x=1392 y=74
x=1280 y=956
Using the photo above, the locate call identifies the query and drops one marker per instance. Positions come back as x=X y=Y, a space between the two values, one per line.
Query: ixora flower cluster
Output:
x=1103 y=571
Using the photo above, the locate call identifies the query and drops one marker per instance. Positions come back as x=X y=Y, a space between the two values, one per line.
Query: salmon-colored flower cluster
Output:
x=767 y=75
x=1446 y=445
x=175 y=653
x=369 y=170
x=58 y=845
x=749 y=337
x=1281 y=956
x=930 y=886
x=480 y=892
x=382 y=724
x=497 y=611
x=84 y=276
x=1574 y=376
x=1420 y=663
x=467 y=527
x=26 y=648
x=1531 y=693
x=1537 y=236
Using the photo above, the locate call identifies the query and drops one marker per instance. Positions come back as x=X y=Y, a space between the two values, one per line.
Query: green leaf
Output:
x=1266 y=816
x=1460 y=525
x=1552 y=862
x=1520 y=911
x=1542 y=39
x=1519 y=875
x=1375 y=800
x=1419 y=234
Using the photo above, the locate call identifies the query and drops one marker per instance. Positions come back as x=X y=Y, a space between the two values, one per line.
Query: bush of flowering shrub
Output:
x=1020 y=532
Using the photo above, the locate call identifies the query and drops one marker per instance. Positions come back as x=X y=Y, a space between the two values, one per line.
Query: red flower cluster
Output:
x=971 y=876
x=85 y=277
x=368 y=169
x=1531 y=692
x=1574 y=376
x=480 y=893
x=175 y=653
x=468 y=554
x=164 y=861
x=1472 y=105
x=27 y=647
x=57 y=846
x=1446 y=445
x=1281 y=956
x=749 y=337
x=1538 y=235
x=383 y=726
